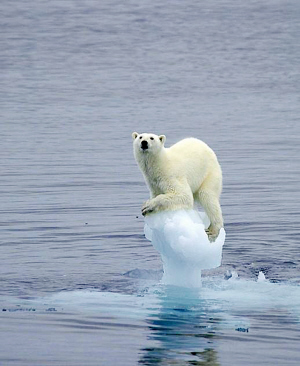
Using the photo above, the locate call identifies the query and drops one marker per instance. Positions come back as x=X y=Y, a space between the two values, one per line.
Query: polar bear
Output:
x=178 y=176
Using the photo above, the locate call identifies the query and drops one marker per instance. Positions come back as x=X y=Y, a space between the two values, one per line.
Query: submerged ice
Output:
x=181 y=240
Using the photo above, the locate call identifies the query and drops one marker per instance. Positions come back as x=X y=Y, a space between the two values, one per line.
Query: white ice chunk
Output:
x=261 y=277
x=181 y=240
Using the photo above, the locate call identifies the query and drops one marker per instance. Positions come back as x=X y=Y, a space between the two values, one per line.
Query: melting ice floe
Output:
x=219 y=298
x=182 y=242
x=231 y=296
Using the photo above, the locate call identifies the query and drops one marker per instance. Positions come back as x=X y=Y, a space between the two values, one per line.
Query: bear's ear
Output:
x=134 y=135
x=162 y=138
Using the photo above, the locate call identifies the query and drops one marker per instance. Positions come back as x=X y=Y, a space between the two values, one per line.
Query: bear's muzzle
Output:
x=144 y=145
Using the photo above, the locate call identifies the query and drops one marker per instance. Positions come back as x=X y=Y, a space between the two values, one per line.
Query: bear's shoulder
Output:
x=187 y=144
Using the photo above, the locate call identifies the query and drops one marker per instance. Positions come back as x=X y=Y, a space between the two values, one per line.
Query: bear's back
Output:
x=193 y=159
x=190 y=146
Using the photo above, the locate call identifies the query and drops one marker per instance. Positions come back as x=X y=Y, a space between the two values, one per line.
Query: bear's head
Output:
x=148 y=142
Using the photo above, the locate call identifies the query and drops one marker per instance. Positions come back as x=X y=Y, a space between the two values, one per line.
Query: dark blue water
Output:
x=79 y=283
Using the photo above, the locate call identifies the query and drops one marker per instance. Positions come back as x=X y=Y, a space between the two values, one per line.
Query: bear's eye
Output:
x=151 y=138
x=141 y=137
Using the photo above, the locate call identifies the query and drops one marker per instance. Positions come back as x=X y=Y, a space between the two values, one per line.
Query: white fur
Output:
x=177 y=176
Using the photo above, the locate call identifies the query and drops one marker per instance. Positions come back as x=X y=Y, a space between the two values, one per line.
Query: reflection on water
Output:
x=208 y=357
x=184 y=328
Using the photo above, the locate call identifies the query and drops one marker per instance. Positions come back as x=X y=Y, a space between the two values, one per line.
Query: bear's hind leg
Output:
x=210 y=203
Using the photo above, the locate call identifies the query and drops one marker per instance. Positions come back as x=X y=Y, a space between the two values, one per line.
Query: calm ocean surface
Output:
x=79 y=283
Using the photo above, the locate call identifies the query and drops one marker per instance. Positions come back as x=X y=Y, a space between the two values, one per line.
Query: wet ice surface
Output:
x=230 y=295
x=79 y=282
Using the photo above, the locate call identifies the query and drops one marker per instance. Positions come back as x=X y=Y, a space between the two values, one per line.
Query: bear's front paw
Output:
x=147 y=208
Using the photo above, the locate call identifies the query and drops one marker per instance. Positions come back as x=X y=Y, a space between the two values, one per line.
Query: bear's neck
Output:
x=151 y=164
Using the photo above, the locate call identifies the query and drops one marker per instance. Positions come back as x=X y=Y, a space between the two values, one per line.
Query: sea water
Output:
x=79 y=282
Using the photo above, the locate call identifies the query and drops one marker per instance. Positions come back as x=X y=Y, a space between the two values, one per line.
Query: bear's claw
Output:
x=147 y=208
x=146 y=212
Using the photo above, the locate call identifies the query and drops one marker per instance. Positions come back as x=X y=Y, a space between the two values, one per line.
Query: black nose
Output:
x=144 y=145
